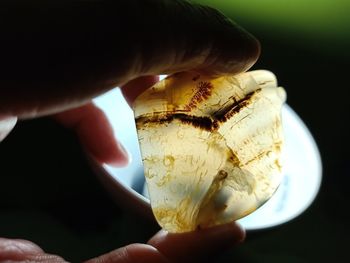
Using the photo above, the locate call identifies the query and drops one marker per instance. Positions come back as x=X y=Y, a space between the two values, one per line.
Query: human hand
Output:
x=198 y=246
x=58 y=55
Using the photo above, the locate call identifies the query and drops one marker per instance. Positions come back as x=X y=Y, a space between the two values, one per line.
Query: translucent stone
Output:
x=211 y=147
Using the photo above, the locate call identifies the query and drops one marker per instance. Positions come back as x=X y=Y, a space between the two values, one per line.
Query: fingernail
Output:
x=6 y=125
x=125 y=153
x=124 y=159
x=242 y=230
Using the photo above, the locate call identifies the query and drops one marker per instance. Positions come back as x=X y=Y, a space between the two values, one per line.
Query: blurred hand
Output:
x=58 y=55
x=196 y=246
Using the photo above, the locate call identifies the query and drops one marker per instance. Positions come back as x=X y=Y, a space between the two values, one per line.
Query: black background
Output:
x=49 y=194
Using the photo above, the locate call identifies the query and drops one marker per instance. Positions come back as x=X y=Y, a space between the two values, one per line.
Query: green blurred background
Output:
x=306 y=44
x=319 y=25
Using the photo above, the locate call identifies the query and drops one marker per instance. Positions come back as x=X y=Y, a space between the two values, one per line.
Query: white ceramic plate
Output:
x=302 y=170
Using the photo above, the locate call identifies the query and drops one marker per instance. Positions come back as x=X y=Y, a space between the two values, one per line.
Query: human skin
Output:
x=58 y=55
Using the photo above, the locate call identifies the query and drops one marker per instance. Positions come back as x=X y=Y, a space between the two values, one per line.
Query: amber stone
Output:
x=211 y=147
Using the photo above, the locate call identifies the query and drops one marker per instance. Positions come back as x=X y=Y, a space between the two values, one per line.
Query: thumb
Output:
x=56 y=55
x=170 y=36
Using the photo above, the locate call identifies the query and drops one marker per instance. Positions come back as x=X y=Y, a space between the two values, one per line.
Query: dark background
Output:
x=49 y=194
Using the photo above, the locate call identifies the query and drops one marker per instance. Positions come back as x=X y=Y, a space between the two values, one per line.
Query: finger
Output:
x=136 y=86
x=59 y=54
x=6 y=125
x=135 y=253
x=18 y=250
x=95 y=133
x=199 y=244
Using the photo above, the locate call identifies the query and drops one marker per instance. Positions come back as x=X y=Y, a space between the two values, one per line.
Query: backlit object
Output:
x=211 y=148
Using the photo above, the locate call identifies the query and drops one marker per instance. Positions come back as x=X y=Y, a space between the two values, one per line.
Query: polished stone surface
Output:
x=211 y=147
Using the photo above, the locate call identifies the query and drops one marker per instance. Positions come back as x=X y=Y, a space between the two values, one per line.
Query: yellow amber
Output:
x=211 y=147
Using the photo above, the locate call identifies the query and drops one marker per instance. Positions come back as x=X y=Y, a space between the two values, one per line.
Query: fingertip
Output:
x=209 y=42
x=118 y=157
x=112 y=153
x=17 y=249
x=141 y=253
x=240 y=231
x=95 y=134
x=144 y=253
x=233 y=232
x=198 y=244
x=6 y=125
x=236 y=50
